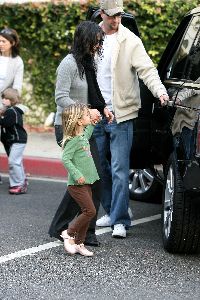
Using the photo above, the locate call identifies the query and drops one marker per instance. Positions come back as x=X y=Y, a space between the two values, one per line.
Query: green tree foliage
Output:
x=157 y=21
x=46 y=33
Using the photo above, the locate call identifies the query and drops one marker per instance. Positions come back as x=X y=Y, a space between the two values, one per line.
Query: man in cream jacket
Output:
x=124 y=60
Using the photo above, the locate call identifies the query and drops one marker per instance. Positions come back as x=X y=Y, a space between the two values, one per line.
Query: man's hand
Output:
x=81 y=180
x=108 y=114
x=164 y=99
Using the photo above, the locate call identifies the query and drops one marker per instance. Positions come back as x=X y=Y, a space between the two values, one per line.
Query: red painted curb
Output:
x=38 y=166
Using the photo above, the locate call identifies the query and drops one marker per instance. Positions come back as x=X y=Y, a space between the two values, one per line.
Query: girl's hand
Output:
x=95 y=116
x=108 y=114
x=81 y=180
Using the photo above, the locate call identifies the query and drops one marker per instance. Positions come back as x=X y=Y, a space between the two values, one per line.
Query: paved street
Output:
x=132 y=268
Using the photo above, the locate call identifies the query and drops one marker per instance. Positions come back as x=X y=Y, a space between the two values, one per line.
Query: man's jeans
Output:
x=114 y=143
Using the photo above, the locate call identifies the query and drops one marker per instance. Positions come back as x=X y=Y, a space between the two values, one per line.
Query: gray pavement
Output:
x=134 y=268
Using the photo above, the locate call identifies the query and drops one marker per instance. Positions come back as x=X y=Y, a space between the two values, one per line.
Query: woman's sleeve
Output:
x=18 y=77
x=67 y=156
x=65 y=74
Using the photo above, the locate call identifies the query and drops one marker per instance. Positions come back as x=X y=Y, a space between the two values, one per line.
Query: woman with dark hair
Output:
x=76 y=81
x=11 y=64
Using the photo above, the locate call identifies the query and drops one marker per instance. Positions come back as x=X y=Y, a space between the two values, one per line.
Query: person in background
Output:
x=14 y=139
x=124 y=60
x=77 y=159
x=11 y=64
x=76 y=79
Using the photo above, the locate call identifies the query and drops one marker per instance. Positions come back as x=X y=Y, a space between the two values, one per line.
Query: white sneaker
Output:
x=119 y=231
x=104 y=221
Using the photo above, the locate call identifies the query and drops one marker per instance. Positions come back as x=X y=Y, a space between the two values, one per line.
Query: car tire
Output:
x=144 y=187
x=180 y=214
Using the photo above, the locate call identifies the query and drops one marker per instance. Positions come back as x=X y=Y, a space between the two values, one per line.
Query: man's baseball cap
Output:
x=112 y=7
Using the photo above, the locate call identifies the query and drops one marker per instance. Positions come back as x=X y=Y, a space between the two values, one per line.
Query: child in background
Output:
x=14 y=139
x=77 y=159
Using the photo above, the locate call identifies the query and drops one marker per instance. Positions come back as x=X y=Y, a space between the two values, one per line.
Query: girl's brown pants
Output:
x=82 y=194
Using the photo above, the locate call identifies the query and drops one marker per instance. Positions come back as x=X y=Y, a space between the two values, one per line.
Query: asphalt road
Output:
x=34 y=266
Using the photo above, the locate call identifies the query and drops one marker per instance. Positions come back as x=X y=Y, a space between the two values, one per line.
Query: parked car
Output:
x=165 y=157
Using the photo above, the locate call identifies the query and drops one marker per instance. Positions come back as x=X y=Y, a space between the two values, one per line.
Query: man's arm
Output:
x=147 y=72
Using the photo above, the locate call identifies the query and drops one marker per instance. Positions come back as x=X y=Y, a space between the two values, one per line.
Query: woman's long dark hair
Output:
x=88 y=34
x=12 y=36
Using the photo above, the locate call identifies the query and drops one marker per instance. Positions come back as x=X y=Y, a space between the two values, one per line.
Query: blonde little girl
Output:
x=77 y=159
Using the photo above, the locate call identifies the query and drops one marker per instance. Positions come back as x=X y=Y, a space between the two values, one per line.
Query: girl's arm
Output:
x=67 y=156
x=88 y=131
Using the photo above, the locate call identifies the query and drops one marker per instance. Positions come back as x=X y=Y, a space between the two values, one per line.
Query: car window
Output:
x=185 y=64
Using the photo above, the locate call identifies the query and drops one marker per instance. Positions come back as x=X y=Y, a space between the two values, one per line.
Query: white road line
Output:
x=33 y=250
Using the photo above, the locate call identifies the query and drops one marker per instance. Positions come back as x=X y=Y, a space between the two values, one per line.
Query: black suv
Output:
x=166 y=149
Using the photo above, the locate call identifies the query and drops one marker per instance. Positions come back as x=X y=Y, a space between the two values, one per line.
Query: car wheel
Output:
x=181 y=214
x=143 y=186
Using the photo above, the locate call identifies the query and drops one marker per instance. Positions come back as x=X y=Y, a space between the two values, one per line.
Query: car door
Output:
x=183 y=69
x=183 y=82
x=179 y=69
x=154 y=142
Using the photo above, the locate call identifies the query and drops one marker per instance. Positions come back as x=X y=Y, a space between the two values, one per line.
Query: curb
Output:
x=38 y=166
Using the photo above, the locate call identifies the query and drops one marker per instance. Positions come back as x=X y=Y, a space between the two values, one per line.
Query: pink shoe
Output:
x=82 y=250
x=17 y=190
x=69 y=244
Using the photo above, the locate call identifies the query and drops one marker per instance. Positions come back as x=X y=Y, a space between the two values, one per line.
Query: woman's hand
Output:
x=108 y=114
x=95 y=116
x=81 y=180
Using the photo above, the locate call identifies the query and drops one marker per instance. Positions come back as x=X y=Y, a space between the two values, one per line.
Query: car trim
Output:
x=183 y=83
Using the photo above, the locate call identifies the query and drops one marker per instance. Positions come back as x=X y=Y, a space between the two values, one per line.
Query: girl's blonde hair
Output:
x=70 y=117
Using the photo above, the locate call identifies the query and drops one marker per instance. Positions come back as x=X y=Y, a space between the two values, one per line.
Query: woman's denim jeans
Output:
x=114 y=143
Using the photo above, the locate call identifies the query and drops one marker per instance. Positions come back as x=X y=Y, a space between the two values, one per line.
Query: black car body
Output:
x=160 y=138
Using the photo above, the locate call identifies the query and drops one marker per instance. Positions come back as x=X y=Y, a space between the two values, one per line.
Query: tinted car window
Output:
x=186 y=62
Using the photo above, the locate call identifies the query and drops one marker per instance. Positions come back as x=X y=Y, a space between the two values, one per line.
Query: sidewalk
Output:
x=42 y=156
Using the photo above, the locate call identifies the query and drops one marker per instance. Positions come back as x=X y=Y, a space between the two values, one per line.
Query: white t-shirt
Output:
x=104 y=76
x=3 y=69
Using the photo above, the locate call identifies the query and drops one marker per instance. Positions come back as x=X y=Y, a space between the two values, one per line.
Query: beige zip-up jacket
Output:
x=130 y=60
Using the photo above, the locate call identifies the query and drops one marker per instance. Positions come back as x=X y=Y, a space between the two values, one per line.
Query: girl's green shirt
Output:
x=78 y=159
